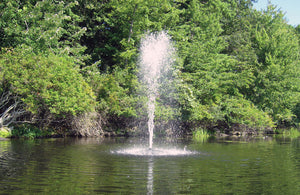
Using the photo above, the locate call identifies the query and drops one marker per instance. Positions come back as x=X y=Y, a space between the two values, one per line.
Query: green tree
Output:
x=50 y=86
x=43 y=25
x=234 y=64
x=114 y=30
x=277 y=85
x=114 y=96
x=217 y=58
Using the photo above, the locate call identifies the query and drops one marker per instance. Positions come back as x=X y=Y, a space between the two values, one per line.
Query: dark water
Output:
x=89 y=166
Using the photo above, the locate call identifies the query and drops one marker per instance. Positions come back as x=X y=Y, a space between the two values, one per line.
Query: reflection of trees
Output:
x=11 y=160
x=4 y=145
x=295 y=154
x=39 y=163
x=18 y=155
x=79 y=166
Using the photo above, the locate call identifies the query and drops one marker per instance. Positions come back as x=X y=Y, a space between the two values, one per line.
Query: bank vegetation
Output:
x=71 y=67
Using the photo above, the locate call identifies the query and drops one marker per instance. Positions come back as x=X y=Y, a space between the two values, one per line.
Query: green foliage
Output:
x=43 y=26
x=200 y=135
x=241 y=111
x=234 y=63
x=208 y=75
x=4 y=132
x=291 y=133
x=29 y=131
x=114 y=28
x=248 y=73
x=46 y=83
x=277 y=70
x=115 y=95
x=165 y=112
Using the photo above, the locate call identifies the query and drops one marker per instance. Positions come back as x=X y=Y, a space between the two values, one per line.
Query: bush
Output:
x=115 y=94
x=27 y=131
x=241 y=111
x=291 y=133
x=5 y=132
x=46 y=83
x=200 y=134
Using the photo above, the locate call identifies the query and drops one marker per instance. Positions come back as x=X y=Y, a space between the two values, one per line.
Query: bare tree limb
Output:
x=10 y=109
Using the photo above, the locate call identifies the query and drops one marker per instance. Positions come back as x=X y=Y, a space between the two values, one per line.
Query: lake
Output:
x=266 y=165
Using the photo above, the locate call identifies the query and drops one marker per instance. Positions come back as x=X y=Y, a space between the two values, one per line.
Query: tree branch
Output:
x=11 y=109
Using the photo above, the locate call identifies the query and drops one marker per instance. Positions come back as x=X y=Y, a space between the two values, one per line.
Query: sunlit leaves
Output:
x=230 y=57
x=277 y=72
x=42 y=25
x=47 y=83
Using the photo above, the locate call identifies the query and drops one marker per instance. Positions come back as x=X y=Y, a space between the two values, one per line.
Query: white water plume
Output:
x=156 y=59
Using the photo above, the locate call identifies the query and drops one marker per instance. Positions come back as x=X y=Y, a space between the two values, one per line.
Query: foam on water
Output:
x=144 y=151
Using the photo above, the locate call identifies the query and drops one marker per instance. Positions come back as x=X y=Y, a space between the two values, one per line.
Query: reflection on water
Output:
x=150 y=177
x=88 y=166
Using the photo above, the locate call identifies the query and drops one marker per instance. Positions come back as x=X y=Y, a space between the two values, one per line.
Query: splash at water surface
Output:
x=144 y=151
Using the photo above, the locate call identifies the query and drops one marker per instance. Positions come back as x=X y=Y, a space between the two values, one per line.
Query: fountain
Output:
x=155 y=64
x=156 y=59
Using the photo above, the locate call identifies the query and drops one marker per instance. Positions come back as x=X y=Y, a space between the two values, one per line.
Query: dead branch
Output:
x=11 y=109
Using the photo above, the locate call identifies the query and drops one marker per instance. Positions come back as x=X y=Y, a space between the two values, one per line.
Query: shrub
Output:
x=46 y=83
x=4 y=132
x=291 y=133
x=26 y=131
x=200 y=134
x=241 y=111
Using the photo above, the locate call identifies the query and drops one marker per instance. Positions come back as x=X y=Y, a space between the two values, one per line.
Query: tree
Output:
x=42 y=25
x=217 y=58
x=276 y=86
x=114 y=30
x=49 y=86
x=10 y=109
x=234 y=64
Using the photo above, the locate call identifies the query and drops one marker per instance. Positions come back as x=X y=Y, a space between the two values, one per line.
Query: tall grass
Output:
x=291 y=133
x=5 y=132
x=200 y=135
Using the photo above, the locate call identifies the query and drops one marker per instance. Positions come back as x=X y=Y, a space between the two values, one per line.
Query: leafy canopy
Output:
x=46 y=82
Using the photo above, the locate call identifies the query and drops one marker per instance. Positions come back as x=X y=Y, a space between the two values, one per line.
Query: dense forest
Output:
x=71 y=67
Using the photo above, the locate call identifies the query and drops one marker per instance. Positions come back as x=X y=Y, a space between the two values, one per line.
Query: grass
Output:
x=291 y=133
x=200 y=135
x=5 y=132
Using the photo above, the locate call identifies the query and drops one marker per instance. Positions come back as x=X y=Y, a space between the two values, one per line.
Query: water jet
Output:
x=156 y=59
x=155 y=67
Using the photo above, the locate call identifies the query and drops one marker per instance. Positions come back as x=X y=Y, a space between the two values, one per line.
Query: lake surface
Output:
x=95 y=166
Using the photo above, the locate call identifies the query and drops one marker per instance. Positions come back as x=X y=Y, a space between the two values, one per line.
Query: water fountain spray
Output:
x=157 y=56
x=156 y=59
